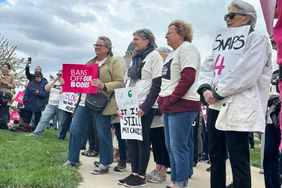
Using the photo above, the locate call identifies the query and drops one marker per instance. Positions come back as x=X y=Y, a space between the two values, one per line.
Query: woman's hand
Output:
x=97 y=83
x=209 y=97
x=140 y=113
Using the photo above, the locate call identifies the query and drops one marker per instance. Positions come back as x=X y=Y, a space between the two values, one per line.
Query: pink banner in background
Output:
x=78 y=77
x=268 y=8
x=19 y=97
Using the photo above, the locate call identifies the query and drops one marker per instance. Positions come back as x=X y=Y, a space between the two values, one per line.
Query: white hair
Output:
x=246 y=8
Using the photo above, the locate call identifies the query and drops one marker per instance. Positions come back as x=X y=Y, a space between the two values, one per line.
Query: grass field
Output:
x=35 y=162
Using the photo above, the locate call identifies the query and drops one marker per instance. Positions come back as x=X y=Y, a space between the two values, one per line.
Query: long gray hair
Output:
x=246 y=8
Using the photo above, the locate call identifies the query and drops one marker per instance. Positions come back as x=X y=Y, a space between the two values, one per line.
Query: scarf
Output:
x=134 y=71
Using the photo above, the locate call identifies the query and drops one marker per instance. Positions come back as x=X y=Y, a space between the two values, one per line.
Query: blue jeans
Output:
x=178 y=127
x=103 y=125
x=47 y=115
x=82 y=118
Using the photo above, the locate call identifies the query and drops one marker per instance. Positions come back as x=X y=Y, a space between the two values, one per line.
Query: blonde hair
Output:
x=183 y=29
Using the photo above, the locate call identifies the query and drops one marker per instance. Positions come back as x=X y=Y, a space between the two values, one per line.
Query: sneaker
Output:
x=121 y=167
x=156 y=178
x=128 y=178
x=136 y=181
x=100 y=170
x=230 y=185
x=70 y=164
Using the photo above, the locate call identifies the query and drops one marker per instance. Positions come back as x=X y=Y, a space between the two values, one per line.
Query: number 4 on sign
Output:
x=219 y=67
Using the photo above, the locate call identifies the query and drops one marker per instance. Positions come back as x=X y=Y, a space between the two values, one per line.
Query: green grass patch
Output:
x=255 y=154
x=35 y=162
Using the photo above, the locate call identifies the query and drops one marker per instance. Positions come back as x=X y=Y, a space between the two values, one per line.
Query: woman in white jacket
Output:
x=234 y=81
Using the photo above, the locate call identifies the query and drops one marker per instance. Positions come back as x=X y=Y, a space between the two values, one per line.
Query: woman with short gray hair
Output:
x=145 y=75
x=234 y=81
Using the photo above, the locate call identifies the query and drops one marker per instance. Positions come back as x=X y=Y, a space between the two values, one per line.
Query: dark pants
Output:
x=27 y=116
x=121 y=143
x=237 y=144
x=159 y=149
x=271 y=157
x=139 y=151
x=91 y=135
x=4 y=116
x=66 y=122
x=204 y=134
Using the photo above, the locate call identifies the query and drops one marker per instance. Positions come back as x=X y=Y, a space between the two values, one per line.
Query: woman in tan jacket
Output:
x=111 y=77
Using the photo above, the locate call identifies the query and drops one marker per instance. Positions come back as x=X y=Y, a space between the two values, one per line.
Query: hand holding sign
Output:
x=97 y=83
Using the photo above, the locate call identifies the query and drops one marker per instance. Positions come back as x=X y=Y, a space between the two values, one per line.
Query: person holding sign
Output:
x=179 y=101
x=111 y=76
x=144 y=75
x=234 y=81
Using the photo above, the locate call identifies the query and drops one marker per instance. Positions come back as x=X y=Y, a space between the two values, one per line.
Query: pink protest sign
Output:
x=14 y=115
x=78 y=77
x=19 y=97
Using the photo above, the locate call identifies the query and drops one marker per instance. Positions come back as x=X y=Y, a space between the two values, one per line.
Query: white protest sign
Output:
x=67 y=101
x=127 y=102
x=228 y=47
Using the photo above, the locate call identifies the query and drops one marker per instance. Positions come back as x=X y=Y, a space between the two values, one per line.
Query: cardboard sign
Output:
x=19 y=97
x=68 y=101
x=78 y=77
x=127 y=102
x=228 y=47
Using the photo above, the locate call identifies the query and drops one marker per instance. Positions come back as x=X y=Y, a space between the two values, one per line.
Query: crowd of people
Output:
x=223 y=100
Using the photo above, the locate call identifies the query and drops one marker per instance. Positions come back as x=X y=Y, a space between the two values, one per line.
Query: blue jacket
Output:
x=35 y=102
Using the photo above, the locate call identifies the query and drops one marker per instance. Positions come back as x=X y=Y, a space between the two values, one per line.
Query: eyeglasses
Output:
x=59 y=74
x=37 y=76
x=98 y=45
x=232 y=15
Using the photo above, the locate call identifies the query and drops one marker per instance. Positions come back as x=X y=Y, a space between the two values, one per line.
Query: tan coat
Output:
x=7 y=82
x=111 y=73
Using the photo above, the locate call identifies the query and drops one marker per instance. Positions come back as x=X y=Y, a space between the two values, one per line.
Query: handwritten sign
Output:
x=228 y=47
x=78 y=77
x=68 y=101
x=127 y=102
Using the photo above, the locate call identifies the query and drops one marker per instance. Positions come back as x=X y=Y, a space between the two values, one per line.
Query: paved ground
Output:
x=200 y=179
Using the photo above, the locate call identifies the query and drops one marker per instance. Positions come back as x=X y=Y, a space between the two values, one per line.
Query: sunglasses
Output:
x=59 y=74
x=232 y=15
x=37 y=76
x=98 y=45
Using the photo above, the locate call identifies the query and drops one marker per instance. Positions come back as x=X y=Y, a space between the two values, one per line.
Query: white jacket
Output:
x=245 y=89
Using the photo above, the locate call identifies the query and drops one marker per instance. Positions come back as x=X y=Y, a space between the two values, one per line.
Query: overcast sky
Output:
x=54 y=32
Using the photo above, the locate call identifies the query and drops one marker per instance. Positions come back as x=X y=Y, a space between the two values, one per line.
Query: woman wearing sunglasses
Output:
x=234 y=81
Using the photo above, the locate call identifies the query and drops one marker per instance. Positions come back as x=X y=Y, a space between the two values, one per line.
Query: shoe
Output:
x=96 y=163
x=128 y=178
x=136 y=181
x=89 y=153
x=261 y=171
x=204 y=158
x=121 y=167
x=70 y=164
x=82 y=147
x=230 y=185
x=100 y=170
x=156 y=178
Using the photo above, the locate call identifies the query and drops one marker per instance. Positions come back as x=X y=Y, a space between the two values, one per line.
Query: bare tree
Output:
x=8 y=54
